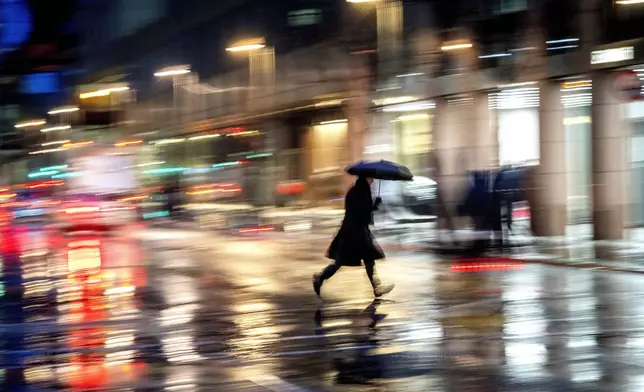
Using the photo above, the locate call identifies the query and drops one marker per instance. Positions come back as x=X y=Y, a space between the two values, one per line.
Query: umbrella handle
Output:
x=379 y=183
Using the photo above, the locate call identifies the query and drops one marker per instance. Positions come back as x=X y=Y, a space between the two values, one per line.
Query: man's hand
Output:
x=377 y=202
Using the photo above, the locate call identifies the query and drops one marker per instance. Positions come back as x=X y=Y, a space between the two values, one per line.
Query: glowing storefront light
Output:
x=576 y=83
x=55 y=143
x=577 y=120
x=339 y=121
x=32 y=123
x=456 y=46
x=103 y=93
x=248 y=45
x=394 y=100
x=56 y=128
x=612 y=55
x=173 y=71
x=65 y=109
x=629 y=2
x=411 y=107
x=515 y=98
x=412 y=117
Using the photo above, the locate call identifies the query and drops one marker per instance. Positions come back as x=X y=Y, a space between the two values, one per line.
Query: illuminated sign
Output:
x=612 y=55
x=393 y=100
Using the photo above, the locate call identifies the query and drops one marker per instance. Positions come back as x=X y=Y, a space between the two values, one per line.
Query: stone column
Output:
x=449 y=158
x=610 y=160
x=389 y=20
x=356 y=111
x=485 y=124
x=550 y=210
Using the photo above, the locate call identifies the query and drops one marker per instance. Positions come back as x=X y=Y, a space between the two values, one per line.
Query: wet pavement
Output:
x=187 y=310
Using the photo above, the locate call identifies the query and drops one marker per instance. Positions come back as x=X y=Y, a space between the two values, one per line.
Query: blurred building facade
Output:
x=467 y=84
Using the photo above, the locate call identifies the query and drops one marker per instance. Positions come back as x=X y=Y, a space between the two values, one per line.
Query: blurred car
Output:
x=96 y=212
x=33 y=203
x=288 y=192
x=418 y=196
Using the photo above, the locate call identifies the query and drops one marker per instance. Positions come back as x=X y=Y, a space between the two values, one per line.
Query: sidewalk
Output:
x=624 y=255
x=576 y=249
x=581 y=251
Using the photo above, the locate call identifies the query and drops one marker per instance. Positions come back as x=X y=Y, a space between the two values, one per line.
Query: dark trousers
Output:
x=369 y=266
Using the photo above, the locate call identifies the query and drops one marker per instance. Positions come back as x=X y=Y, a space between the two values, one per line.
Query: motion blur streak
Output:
x=176 y=211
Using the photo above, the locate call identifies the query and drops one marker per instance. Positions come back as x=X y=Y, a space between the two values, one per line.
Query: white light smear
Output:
x=60 y=110
x=339 y=121
x=32 y=123
x=410 y=107
x=456 y=47
x=561 y=41
x=563 y=47
x=170 y=141
x=173 y=72
x=57 y=128
x=410 y=75
x=495 y=55
x=55 y=142
x=629 y=2
x=245 y=48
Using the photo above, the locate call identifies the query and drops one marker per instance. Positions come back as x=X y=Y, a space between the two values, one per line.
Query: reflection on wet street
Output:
x=155 y=309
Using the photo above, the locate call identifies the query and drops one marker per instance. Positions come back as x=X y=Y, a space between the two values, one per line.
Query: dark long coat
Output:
x=354 y=241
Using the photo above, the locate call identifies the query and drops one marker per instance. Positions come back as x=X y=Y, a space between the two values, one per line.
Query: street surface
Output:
x=154 y=309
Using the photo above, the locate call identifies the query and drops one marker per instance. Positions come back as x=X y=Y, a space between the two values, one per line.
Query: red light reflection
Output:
x=486 y=264
x=45 y=184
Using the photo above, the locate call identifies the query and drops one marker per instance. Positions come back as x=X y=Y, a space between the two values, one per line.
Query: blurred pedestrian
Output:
x=172 y=192
x=354 y=243
x=444 y=211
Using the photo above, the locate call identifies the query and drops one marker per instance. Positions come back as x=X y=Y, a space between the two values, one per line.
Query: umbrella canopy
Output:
x=382 y=170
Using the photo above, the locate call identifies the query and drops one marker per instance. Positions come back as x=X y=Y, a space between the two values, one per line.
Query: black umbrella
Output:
x=382 y=170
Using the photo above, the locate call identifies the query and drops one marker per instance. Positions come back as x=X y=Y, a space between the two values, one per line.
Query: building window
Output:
x=510 y=6
x=306 y=17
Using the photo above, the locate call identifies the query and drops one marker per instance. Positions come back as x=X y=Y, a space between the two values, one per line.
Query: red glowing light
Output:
x=486 y=266
x=257 y=230
x=45 y=184
x=293 y=188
